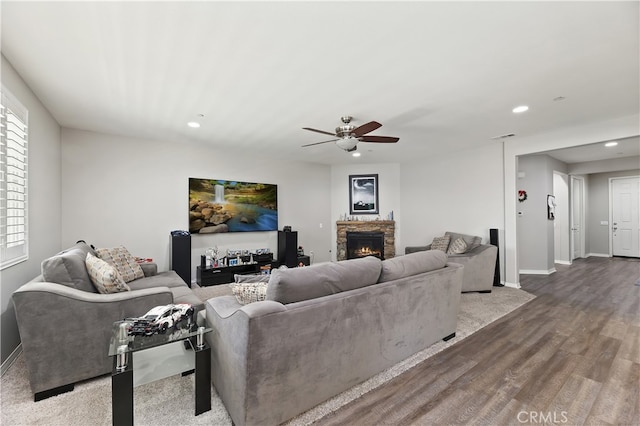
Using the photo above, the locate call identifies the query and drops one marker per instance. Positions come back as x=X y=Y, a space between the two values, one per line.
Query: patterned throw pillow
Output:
x=104 y=276
x=249 y=292
x=459 y=246
x=441 y=243
x=124 y=262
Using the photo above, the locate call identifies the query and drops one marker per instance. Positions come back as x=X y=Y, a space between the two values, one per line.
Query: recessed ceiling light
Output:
x=193 y=124
x=521 y=108
x=356 y=154
x=610 y=144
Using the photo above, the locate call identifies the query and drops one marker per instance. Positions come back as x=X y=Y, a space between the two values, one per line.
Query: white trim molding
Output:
x=10 y=359
x=537 y=271
x=598 y=255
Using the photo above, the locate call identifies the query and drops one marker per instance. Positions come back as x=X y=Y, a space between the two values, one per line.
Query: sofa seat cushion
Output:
x=68 y=268
x=412 y=264
x=163 y=279
x=322 y=279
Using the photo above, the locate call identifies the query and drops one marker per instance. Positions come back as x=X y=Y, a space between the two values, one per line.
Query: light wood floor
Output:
x=569 y=357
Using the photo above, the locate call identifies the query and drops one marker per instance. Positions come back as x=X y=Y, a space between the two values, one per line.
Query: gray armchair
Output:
x=65 y=326
x=479 y=262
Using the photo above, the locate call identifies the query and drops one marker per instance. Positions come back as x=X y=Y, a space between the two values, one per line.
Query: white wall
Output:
x=460 y=192
x=536 y=239
x=134 y=192
x=388 y=195
x=43 y=202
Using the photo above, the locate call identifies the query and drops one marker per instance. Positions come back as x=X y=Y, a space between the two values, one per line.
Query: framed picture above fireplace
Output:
x=363 y=194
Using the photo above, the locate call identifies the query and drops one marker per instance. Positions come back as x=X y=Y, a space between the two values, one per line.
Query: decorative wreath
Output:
x=522 y=195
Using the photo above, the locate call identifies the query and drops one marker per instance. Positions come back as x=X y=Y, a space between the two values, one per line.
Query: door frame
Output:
x=611 y=179
x=582 y=247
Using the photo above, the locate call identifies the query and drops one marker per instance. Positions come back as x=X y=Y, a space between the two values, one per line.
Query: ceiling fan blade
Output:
x=379 y=139
x=366 y=128
x=319 y=131
x=318 y=143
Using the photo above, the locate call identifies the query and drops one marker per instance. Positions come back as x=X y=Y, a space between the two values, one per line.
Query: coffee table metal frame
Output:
x=122 y=347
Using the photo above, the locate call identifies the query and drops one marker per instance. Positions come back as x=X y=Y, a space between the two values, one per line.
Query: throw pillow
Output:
x=441 y=243
x=104 y=276
x=247 y=292
x=124 y=262
x=251 y=278
x=459 y=246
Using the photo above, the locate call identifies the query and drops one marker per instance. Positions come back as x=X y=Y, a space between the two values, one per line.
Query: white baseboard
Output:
x=597 y=255
x=562 y=262
x=512 y=285
x=10 y=360
x=537 y=271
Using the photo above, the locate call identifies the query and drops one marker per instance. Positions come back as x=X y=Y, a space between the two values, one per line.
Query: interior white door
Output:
x=625 y=216
x=577 y=213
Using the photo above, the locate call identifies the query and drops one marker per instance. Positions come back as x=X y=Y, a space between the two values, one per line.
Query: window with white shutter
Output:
x=13 y=181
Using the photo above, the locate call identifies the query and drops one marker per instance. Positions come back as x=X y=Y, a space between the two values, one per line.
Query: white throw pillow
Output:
x=246 y=293
x=104 y=276
x=459 y=246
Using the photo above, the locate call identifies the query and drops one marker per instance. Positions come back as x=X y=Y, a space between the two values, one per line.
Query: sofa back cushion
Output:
x=309 y=282
x=412 y=264
x=471 y=240
x=68 y=268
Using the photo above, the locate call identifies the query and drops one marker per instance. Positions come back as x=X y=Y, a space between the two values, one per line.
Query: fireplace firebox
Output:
x=362 y=244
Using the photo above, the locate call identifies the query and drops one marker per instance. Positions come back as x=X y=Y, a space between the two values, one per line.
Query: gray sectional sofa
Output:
x=65 y=324
x=479 y=261
x=326 y=328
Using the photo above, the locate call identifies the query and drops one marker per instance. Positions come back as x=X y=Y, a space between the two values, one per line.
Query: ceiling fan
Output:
x=347 y=136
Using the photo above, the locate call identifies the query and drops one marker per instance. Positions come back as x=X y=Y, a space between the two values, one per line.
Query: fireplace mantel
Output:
x=386 y=226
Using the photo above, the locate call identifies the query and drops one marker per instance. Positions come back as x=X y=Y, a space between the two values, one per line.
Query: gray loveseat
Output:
x=479 y=261
x=65 y=326
x=326 y=328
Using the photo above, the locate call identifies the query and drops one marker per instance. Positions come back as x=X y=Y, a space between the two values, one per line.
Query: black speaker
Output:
x=493 y=239
x=288 y=248
x=181 y=255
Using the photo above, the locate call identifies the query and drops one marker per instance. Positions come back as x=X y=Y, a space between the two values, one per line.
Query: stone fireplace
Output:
x=379 y=233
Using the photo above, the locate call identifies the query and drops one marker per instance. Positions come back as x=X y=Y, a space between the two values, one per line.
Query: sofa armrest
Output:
x=476 y=251
x=479 y=267
x=413 y=249
x=65 y=332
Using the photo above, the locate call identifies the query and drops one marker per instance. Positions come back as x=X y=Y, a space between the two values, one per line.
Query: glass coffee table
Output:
x=142 y=359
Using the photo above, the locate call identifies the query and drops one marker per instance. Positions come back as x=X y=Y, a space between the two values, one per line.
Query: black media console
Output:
x=224 y=274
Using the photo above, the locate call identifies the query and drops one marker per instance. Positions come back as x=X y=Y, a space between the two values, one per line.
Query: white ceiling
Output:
x=441 y=76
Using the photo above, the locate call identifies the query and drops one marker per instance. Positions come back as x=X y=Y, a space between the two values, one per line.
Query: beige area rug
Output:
x=171 y=401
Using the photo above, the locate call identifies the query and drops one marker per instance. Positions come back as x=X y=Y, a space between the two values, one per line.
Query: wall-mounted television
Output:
x=217 y=206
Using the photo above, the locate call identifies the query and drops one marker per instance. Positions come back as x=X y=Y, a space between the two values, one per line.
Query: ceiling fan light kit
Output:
x=347 y=136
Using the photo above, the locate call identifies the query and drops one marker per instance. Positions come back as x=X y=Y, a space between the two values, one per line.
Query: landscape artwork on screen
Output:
x=217 y=206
